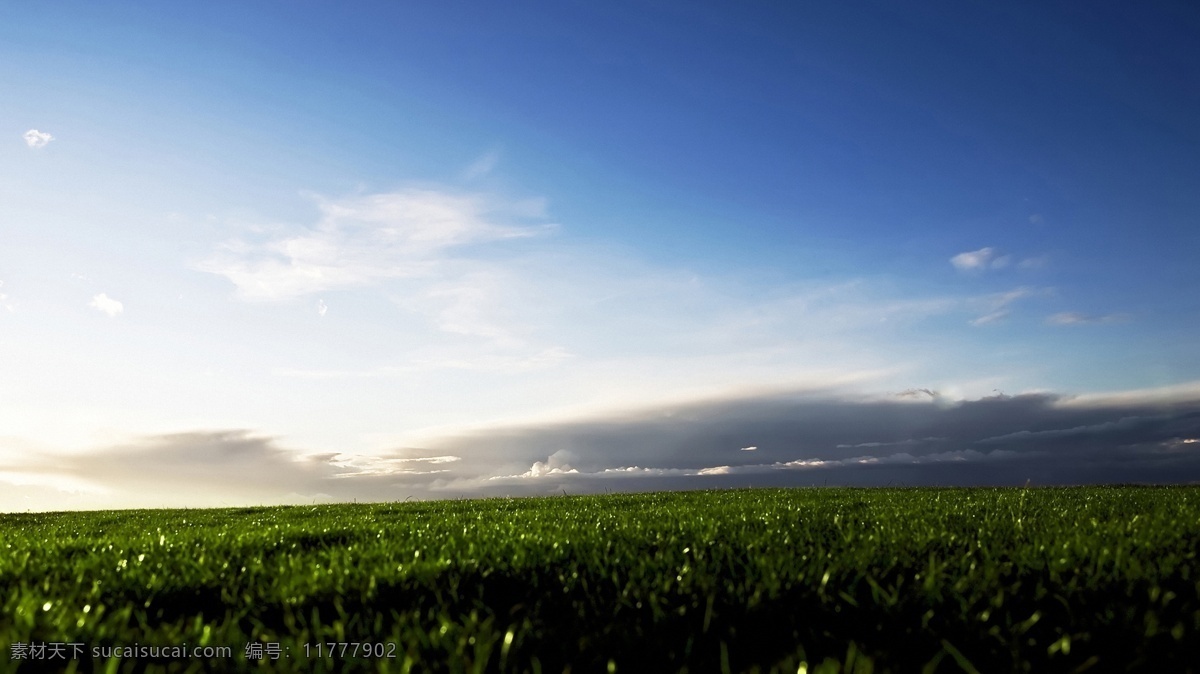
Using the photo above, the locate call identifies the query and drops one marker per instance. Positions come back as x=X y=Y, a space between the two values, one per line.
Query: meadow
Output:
x=824 y=580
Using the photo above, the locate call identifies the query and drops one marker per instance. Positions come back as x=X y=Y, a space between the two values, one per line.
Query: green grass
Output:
x=827 y=580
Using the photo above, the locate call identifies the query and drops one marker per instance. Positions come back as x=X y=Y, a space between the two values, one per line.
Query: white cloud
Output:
x=37 y=139
x=749 y=449
x=1077 y=318
x=555 y=464
x=105 y=304
x=997 y=306
x=813 y=311
x=353 y=465
x=4 y=299
x=994 y=317
x=978 y=260
x=369 y=239
x=438 y=253
x=411 y=245
x=482 y=166
x=1067 y=318
x=472 y=304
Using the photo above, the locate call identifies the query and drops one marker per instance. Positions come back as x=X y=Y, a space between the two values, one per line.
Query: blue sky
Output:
x=370 y=234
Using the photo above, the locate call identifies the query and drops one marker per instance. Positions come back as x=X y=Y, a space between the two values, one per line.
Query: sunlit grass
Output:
x=779 y=580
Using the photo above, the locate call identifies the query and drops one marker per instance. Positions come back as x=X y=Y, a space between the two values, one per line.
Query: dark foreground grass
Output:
x=818 y=580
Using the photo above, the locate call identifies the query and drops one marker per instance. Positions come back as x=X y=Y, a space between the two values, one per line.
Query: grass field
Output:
x=818 y=580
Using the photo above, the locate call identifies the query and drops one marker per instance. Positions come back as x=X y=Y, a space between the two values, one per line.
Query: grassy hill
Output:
x=817 y=580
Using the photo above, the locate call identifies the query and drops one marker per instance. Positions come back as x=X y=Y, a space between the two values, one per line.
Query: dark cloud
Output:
x=805 y=439
x=801 y=440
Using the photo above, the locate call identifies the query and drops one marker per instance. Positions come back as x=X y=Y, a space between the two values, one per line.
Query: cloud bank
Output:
x=801 y=439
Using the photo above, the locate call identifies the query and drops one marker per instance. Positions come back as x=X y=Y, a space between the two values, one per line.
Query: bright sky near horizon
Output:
x=334 y=243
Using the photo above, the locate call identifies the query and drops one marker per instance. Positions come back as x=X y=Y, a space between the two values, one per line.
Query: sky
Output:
x=294 y=252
